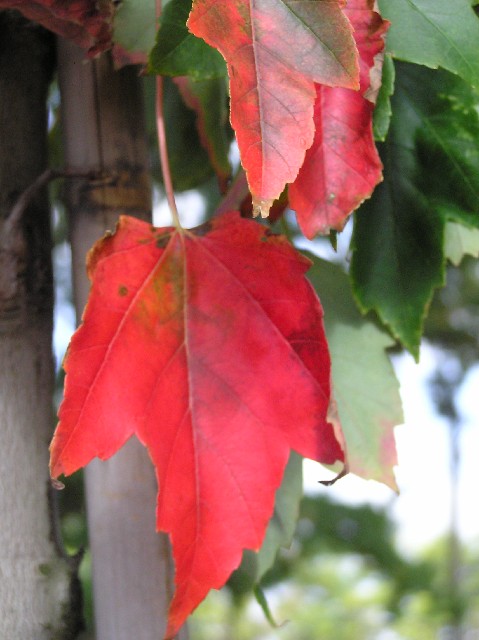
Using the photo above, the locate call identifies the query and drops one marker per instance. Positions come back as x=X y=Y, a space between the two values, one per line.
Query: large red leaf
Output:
x=209 y=346
x=342 y=167
x=275 y=51
x=86 y=22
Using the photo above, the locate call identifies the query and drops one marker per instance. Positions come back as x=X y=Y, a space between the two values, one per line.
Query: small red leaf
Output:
x=342 y=167
x=85 y=22
x=275 y=51
x=209 y=346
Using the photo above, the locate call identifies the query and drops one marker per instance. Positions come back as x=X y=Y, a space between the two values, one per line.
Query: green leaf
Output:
x=134 y=25
x=460 y=241
x=436 y=33
x=178 y=52
x=447 y=140
x=189 y=162
x=382 y=111
x=398 y=237
x=397 y=253
x=364 y=384
x=208 y=99
x=278 y=534
x=263 y=603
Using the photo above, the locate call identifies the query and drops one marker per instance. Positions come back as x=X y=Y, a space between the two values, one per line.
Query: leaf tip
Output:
x=56 y=484
x=261 y=207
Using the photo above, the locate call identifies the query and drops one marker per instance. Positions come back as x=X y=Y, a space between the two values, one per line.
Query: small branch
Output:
x=162 y=145
x=17 y=211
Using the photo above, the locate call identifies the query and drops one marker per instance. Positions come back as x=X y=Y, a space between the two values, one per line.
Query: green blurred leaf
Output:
x=134 y=25
x=278 y=534
x=263 y=603
x=460 y=241
x=382 y=111
x=208 y=99
x=364 y=384
x=447 y=134
x=178 y=52
x=189 y=161
x=398 y=236
x=436 y=33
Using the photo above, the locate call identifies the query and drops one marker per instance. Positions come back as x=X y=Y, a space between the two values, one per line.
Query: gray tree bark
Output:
x=103 y=131
x=34 y=579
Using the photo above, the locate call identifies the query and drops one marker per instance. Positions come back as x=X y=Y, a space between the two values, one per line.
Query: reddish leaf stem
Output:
x=162 y=145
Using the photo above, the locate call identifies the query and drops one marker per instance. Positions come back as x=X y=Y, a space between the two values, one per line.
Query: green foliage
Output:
x=436 y=34
x=135 y=25
x=189 y=161
x=178 y=52
x=382 y=110
x=431 y=175
x=208 y=98
x=446 y=134
x=362 y=530
x=397 y=243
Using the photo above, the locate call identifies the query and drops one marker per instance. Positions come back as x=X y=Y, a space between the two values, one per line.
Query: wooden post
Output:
x=34 y=579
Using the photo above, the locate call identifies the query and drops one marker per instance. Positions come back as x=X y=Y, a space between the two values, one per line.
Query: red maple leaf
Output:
x=88 y=23
x=342 y=167
x=209 y=346
x=275 y=51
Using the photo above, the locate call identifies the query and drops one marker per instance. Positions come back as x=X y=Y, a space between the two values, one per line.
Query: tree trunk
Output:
x=34 y=580
x=103 y=130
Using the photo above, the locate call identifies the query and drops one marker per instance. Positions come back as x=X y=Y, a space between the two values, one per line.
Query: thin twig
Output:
x=14 y=217
x=162 y=145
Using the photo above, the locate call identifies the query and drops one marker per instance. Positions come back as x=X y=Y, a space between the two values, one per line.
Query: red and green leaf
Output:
x=342 y=167
x=275 y=52
x=231 y=372
x=367 y=404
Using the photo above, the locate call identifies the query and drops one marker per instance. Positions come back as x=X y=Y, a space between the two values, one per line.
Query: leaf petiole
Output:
x=162 y=145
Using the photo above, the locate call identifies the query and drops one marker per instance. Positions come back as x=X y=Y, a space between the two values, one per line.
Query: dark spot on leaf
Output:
x=163 y=240
x=122 y=290
x=203 y=229
x=267 y=234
